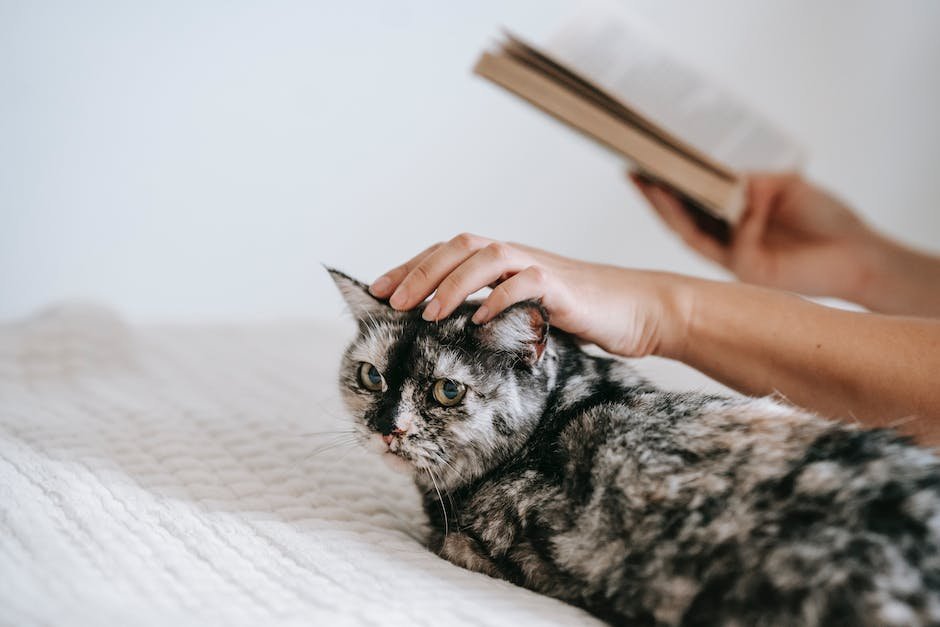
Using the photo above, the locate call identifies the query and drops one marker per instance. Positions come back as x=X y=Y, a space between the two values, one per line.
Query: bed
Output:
x=187 y=474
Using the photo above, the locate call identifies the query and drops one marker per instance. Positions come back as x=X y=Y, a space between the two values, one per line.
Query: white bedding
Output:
x=169 y=475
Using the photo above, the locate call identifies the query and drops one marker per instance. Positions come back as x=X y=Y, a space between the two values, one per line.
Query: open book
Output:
x=605 y=76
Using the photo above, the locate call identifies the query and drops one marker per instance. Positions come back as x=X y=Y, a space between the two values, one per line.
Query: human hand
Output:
x=626 y=312
x=793 y=236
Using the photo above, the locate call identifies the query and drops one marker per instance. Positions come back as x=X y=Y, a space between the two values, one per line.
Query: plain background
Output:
x=198 y=161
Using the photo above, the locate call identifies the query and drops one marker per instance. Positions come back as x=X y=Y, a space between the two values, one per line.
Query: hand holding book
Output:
x=796 y=236
x=692 y=145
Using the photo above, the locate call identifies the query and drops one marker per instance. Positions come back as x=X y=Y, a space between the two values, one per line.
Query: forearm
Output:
x=878 y=369
x=898 y=280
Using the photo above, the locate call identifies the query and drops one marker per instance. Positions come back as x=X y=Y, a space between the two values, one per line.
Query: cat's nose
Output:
x=387 y=438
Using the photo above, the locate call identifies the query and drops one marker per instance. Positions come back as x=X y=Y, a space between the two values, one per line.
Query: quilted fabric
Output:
x=181 y=475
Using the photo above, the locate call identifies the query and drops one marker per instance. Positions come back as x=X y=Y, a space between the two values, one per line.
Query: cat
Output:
x=567 y=473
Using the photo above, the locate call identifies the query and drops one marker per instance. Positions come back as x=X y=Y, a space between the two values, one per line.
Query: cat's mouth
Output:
x=391 y=452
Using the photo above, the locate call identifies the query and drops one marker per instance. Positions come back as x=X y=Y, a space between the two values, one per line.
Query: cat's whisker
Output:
x=327 y=438
x=449 y=497
x=453 y=507
x=342 y=457
x=338 y=442
x=328 y=448
x=336 y=434
x=356 y=440
x=443 y=508
x=335 y=416
x=451 y=466
x=323 y=433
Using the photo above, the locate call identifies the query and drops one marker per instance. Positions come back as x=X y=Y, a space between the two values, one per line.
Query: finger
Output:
x=642 y=183
x=531 y=283
x=751 y=228
x=762 y=185
x=638 y=179
x=386 y=284
x=677 y=218
x=499 y=279
x=430 y=271
x=762 y=194
x=494 y=261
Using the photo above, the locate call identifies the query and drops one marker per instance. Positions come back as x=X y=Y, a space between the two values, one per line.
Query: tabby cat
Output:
x=567 y=473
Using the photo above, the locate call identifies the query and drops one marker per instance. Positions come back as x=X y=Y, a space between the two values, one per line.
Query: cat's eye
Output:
x=448 y=393
x=370 y=377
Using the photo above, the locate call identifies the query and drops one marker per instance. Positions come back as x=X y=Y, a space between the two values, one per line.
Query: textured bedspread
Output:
x=181 y=475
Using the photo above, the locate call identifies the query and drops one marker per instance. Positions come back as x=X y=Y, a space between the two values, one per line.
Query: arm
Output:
x=875 y=368
x=898 y=280
x=880 y=370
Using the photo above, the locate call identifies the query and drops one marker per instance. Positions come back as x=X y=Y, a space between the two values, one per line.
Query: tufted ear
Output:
x=521 y=330
x=361 y=303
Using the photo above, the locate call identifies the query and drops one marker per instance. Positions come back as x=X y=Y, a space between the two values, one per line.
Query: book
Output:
x=606 y=76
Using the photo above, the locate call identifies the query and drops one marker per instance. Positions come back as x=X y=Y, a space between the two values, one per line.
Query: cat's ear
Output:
x=361 y=303
x=520 y=330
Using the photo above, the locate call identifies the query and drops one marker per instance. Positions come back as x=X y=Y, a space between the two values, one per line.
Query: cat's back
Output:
x=707 y=510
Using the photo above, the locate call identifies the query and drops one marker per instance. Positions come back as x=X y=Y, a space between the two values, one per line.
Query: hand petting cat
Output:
x=625 y=312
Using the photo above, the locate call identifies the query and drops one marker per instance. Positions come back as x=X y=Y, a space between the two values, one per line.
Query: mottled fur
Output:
x=569 y=474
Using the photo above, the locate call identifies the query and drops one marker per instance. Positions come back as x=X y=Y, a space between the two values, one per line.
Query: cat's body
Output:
x=654 y=507
x=568 y=474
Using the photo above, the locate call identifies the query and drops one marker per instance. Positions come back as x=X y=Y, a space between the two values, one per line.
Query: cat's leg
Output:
x=464 y=551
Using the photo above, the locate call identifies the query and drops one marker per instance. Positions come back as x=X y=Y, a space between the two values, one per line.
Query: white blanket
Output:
x=179 y=475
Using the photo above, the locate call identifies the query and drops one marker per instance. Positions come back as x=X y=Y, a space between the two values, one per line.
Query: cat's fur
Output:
x=569 y=474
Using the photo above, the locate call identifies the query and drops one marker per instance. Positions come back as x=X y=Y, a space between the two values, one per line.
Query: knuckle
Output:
x=499 y=251
x=465 y=241
x=537 y=274
x=421 y=272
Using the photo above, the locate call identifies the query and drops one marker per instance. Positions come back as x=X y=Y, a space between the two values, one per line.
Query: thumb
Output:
x=753 y=223
x=671 y=210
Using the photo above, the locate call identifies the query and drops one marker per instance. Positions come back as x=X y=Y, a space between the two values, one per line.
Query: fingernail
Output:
x=398 y=299
x=480 y=314
x=380 y=286
x=431 y=311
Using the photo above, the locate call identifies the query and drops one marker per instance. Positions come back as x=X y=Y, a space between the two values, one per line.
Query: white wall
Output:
x=183 y=160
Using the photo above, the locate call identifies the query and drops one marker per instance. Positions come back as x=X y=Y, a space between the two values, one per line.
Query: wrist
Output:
x=897 y=279
x=679 y=299
x=874 y=258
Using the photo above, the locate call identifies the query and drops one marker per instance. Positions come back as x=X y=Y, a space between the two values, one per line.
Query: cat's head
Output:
x=450 y=398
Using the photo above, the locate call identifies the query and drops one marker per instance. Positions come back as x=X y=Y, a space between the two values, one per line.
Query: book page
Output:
x=577 y=83
x=622 y=56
